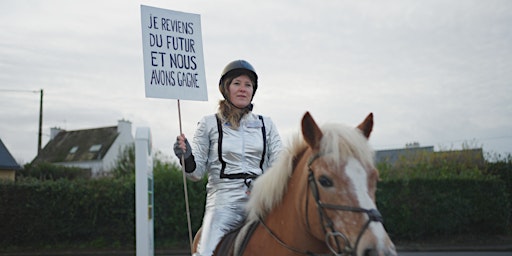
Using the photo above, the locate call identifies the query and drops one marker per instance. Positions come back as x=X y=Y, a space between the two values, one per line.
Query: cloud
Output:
x=436 y=72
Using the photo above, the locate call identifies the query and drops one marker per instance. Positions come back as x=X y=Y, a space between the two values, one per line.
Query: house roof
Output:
x=78 y=145
x=7 y=162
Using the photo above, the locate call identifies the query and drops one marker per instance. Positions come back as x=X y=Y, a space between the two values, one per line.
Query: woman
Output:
x=233 y=147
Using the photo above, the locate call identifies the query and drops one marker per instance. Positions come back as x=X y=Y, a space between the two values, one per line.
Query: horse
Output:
x=317 y=199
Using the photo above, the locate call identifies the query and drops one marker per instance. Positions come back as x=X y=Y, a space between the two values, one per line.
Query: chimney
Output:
x=124 y=127
x=54 y=131
x=414 y=144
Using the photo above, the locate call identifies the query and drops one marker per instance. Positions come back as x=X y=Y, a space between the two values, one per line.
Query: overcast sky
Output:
x=434 y=72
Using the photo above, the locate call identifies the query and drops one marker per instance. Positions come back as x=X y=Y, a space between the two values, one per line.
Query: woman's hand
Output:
x=182 y=147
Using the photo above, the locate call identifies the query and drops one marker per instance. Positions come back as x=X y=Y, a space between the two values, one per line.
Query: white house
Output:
x=95 y=149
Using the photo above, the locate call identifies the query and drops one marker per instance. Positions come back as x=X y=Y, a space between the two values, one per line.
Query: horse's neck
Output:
x=288 y=222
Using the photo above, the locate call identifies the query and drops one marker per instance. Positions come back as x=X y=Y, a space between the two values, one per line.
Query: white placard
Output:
x=173 y=54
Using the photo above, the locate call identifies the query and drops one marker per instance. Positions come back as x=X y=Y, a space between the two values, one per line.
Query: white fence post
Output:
x=144 y=192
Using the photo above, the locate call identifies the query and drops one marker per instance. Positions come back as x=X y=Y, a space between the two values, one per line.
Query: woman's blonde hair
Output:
x=227 y=111
x=231 y=114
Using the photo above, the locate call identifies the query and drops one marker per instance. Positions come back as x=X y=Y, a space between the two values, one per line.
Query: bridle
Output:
x=342 y=244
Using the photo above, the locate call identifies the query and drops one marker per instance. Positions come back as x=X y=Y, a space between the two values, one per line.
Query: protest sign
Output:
x=173 y=54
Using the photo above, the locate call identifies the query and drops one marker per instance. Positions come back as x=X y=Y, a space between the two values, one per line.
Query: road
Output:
x=175 y=253
x=455 y=253
x=483 y=253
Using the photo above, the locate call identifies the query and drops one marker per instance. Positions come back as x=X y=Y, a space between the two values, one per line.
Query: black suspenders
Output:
x=264 y=135
x=223 y=163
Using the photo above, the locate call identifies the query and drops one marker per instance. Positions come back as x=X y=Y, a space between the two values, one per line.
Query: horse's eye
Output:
x=325 y=181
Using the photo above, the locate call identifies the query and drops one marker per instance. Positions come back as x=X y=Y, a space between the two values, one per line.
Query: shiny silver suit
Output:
x=242 y=151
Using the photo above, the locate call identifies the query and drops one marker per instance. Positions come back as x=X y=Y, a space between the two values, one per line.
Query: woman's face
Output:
x=240 y=91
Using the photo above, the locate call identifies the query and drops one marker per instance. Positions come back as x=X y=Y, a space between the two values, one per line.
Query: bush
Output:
x=427 y=165
x=49 y=213
x=48 y=171
x=170 y=209
x=418 y=200
x=452 y=193
x=423 y=208
x=95 y=212
x=501 y=167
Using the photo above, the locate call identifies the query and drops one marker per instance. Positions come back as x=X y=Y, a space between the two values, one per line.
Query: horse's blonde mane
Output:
x=338 y=143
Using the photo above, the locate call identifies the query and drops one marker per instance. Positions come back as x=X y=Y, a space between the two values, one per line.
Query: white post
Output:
x=144 y=192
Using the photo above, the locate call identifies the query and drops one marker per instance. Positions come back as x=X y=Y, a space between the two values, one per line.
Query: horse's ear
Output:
x=311 y=132
x=367 y=125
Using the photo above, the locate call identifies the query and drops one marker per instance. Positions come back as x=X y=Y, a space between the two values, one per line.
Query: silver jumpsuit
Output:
x=242 y=151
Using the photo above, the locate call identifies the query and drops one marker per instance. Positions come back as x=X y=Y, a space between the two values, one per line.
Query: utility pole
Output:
x=40 y=135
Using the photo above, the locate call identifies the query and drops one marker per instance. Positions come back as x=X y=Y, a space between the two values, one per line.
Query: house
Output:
x=8 y=166
x=94 y=149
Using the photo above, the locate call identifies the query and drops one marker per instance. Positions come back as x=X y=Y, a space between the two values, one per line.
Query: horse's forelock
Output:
x=341 y=142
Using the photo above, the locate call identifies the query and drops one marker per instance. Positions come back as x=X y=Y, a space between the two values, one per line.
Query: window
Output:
x=95 y=148
x=73 y=150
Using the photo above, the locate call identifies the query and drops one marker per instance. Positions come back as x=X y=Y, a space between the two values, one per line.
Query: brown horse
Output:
x=318 y=199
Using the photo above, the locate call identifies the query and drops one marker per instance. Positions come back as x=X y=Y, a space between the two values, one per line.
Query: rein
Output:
x=347 y=249
x=283 y=244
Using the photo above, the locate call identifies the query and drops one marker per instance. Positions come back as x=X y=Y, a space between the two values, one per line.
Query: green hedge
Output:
x=426 y=208
x=100 y=212
x=170 y=209
x=97 y=212
x=48 y=171
x=35 y=213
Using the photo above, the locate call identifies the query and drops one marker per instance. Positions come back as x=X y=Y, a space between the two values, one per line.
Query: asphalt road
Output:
x=479 y=253
x=451 y=253
x=429 y=254
x=455 y=253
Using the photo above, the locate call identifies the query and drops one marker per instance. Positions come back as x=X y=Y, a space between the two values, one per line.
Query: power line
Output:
x=13 y=90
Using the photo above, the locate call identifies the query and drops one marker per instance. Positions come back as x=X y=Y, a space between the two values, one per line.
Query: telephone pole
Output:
x=40 y=134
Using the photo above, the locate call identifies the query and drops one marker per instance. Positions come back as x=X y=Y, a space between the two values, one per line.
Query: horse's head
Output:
x=342 y=180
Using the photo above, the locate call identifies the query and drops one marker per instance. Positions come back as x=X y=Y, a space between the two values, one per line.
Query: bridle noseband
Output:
x=343 y=247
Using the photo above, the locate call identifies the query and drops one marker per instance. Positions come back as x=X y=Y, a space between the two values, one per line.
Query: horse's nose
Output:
x=378 y=249
x=370 y=252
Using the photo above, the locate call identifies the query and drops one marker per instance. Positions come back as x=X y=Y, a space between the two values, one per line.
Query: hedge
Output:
x=100 y=212
x=59 y=212
x=170 y=210
x=425 y=208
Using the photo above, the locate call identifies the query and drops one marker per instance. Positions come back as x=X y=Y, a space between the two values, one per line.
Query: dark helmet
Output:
x=236 y=68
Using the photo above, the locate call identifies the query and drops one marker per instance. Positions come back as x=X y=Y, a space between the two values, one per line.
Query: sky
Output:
x=435 y=72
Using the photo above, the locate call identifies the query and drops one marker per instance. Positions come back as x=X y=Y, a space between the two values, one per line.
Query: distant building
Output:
x=8 y=166
x=412 y=151
x=94 y=149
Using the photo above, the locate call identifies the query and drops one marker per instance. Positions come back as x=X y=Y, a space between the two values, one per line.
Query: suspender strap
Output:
x=219 y=144
x=223 y=163
x=264 y=134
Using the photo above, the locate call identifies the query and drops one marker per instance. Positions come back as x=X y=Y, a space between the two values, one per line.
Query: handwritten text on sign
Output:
x=173 y=54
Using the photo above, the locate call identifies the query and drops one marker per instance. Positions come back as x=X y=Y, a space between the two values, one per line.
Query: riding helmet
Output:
x=239 y=67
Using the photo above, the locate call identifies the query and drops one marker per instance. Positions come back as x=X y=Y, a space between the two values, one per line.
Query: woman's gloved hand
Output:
x=182 y=147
